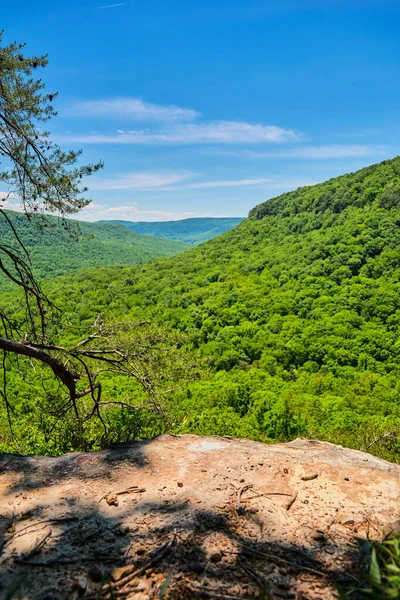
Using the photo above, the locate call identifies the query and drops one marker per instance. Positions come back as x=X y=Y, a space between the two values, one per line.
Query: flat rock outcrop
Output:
x=181 y=517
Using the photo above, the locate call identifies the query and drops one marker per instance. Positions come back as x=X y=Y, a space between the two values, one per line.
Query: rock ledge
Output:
x=192 y=517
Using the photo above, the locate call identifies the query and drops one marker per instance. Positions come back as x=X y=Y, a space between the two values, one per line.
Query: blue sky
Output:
x=209 y=107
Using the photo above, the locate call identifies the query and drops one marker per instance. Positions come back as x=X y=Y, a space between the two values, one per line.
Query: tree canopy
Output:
x=295 y=314
x=53 y=251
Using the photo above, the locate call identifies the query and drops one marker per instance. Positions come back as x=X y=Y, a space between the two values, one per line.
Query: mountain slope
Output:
x=54 y=252
x=295 y=313
x=192 y=231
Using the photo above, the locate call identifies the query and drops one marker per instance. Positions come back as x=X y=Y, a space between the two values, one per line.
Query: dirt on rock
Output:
x=181 y=517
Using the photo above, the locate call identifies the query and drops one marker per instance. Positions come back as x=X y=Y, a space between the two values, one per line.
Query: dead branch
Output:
x=291 y=501
x=389 y=435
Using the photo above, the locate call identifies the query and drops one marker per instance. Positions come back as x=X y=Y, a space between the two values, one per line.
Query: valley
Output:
x=54 y=251
x=191 y=231
x=291 y=320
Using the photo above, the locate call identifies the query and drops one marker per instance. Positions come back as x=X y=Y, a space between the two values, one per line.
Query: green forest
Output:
x=289 y=324
x=191 y=231
x=53 y=251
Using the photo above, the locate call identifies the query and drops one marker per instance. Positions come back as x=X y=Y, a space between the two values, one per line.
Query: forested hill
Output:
x=295 y=314
x=192 y=231
x=55 y=252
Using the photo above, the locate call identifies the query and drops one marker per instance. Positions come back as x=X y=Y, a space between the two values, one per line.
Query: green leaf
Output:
x=374 y=570
x=165 y=586
x=393 y=569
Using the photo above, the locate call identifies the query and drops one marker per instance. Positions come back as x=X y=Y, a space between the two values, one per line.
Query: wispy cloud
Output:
x=111 y=6
x=222 y=184
x=311 y=152
x=139 y=181
x=219 y=132
x=9 y=200
x=177 y=125
x=130 y=212
x=135 y=108
x=324 y=152
x=166 y=182
x=266 y=184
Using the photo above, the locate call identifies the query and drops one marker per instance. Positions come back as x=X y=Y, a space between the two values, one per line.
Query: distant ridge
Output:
x=191 y=231
x=54 y=252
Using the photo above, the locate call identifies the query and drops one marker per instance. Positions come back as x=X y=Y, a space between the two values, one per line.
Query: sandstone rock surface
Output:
x=192 y=517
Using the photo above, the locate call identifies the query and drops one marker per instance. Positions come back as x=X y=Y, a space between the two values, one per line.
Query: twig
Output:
x=14 y=535
x=159 y=555
x=37 y=547
x=253 y=574
x=200 y=589
x=391 y=434
x=291 y=501
x=250 y=550
x=367 y=518
x=19 y=532
x=241 y=491
x=260 y=495
x=134 y=489
x=133 y=573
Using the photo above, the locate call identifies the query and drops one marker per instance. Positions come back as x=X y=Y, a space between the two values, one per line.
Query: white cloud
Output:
x=164 y=182
x=177 y=127
x=134 y=108
x=219 y=132
x=229 y=183
x=10 y=201
x=111 y=6
x=321 y=152
x=267 y=184
x=138 y=181
x=167 y=182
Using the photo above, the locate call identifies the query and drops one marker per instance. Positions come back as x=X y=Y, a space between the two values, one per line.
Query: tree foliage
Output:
x=35 y=169
x=46 y=179
x=53 y=251
x=296 y=316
